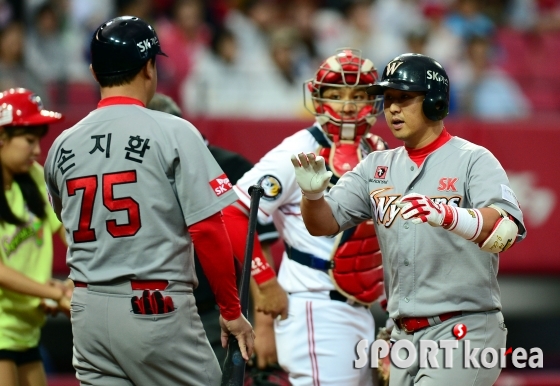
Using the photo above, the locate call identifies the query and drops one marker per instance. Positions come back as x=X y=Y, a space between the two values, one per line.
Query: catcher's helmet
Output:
x=123 y=44
x=415 y=72
x=21 y=107
x=347 y=68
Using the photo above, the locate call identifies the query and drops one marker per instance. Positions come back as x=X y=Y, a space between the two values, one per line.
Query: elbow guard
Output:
x=502 y=236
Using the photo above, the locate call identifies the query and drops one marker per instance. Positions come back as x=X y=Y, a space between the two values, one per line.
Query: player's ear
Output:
x=93 y=73
x=149 y=69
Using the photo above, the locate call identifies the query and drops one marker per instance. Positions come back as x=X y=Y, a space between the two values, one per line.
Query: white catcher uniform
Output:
x=316 y=344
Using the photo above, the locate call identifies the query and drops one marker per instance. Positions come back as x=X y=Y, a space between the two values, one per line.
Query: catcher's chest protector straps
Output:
x=357 y=270
x=341 y=156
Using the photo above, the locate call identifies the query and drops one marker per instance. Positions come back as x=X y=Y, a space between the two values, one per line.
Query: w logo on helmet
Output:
x=392 y=67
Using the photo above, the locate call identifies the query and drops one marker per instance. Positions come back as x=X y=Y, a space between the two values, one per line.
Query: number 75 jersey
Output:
x=126 y=182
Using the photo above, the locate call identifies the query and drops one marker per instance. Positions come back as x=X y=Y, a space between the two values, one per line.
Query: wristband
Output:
x=261 y=271
x=313 y=196
x=466 y=223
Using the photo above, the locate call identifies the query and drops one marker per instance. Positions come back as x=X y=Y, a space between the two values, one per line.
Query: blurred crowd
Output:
x=250 y=58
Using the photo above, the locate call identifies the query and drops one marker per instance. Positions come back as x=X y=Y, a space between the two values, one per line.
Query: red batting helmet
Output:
x=21 y=107
x=346 y=68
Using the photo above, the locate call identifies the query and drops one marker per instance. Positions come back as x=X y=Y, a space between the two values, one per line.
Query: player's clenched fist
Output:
x=311 y=174
x=420 y=209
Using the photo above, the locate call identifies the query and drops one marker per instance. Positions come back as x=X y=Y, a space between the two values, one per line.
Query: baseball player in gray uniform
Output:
x=440 y=274
x=135 y=190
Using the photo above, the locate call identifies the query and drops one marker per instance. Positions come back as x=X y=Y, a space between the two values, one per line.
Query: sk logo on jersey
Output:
x=381 y=172
x=221 y=185
x=447 y=184
x=272 y=187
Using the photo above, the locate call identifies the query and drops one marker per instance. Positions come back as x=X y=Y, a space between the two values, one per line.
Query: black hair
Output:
x=29 y=189
x=219 y=35
x=122 y=78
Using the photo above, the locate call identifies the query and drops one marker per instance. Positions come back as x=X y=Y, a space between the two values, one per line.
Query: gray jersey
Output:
x=126 y=181
x=428 y=270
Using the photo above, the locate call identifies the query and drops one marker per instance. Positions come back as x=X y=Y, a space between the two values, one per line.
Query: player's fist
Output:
x=420 y=209
x=311 y=174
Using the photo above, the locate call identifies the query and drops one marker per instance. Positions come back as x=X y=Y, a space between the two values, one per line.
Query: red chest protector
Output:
x=342 y=156
x=356 y=270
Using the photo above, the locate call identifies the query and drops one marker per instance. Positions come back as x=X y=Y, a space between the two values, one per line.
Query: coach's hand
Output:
x=243 y=332
x=311 y=174
x=272 y=299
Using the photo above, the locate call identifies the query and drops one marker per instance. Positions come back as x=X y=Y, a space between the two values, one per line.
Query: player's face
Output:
x=18 y=153
x=404 y=115
x=345 y=101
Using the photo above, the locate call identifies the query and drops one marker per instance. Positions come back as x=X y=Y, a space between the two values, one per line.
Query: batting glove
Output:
x=311 y=175
x=152 y=303
x=421 y=209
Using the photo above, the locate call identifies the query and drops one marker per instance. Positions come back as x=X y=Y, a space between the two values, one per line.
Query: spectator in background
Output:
x=301 y=14
x=45 y=53
x=441 y=42
x=358 y=29
x=278 y=91
x=252 y=26
x=138 y=8
x=84 y=16
x=467 y=20
x=226 y=83
x=521 y=14
x=397 y=17
x=13 y=71
x=188 y=36
x=6 y=13
x=219 y=81
x=484 y=90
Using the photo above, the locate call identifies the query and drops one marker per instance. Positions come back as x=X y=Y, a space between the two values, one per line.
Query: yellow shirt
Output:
x=29 y=250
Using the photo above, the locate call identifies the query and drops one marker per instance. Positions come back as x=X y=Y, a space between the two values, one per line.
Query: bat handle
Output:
x=234 y=365
x=256 y=192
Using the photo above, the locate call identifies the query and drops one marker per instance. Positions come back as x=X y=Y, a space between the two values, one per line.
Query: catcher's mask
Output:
x=346 y=68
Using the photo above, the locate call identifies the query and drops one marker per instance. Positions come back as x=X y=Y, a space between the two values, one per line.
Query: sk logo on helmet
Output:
x=392 y=67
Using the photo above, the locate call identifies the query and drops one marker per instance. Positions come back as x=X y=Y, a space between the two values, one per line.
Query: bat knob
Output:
x=259 y=189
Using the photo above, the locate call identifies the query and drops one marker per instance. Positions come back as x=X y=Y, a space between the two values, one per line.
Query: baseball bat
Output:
x=234 y=364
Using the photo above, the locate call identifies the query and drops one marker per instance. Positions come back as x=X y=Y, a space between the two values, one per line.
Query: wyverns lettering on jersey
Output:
x=272 y=187
x=386 y=210
x=221 y=185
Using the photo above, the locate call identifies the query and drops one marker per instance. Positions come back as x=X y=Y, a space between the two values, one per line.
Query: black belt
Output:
x=335 y=295
x=308 y=259
x=339 y=297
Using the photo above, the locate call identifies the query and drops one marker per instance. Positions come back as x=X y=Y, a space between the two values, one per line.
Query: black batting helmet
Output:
x=415 y=72
x=123 y=44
